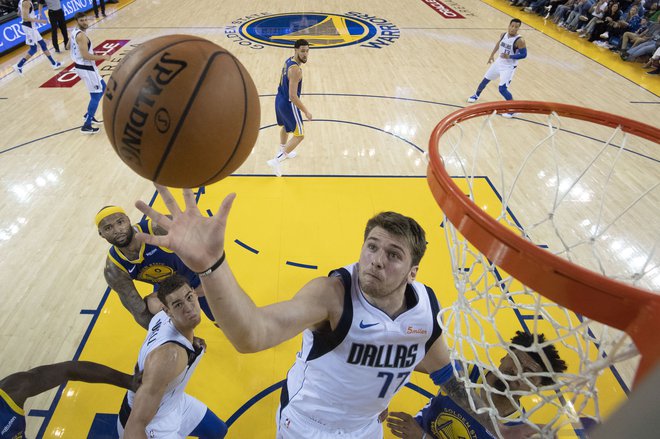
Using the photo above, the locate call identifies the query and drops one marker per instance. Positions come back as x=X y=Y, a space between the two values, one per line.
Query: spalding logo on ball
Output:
x=181 y=111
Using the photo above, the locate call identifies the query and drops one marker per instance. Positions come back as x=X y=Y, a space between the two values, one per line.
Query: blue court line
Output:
x=209 y=213
x=296 y=264
x=361 y=125
x=531 y=317
x=37 y=140
x=645 y=102
x=88 y=311
x=372 y=127
x=419 y=390
x=38 y=413
x=252 y=401
x=246 y=247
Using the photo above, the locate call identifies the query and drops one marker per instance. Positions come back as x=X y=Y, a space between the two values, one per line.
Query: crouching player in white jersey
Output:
x=511 y=48
x=168 y=357
x=29 y=23
x=84 y=60
x=365 y=327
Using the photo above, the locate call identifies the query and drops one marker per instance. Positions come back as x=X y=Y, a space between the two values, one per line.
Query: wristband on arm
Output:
x=443 y=375
x=522 y=53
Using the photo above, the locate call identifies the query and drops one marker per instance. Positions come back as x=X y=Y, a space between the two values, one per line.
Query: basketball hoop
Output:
x=497 y=260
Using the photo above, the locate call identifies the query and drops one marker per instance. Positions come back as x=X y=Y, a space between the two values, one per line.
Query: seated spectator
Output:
x=578 y=16
x=596 y=14
x=648 y=44
x=640 y=36
x=612 y=15
x=630 y=21
x=562 y=11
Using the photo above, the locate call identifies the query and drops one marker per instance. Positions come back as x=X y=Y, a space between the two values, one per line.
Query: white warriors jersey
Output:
x=507 y=45
x=161 y=331
x=31 y=14
x=343 y=379
x=76 y=54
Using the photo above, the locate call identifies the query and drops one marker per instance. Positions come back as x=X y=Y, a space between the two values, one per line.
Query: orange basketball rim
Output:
x=623 y=306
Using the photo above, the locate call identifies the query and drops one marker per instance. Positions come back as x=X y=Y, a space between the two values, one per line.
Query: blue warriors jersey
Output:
x=283 y=88
x=443 y=418
x=12 y=418
x=154 y=264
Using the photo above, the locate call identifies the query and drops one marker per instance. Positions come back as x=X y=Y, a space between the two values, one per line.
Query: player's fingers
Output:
x=160 y=219
x=225 y=207
x=191 y=202
x=158 y=240
x=169 y=200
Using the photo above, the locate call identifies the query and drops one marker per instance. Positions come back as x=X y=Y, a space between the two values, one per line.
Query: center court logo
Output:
x=322 y=30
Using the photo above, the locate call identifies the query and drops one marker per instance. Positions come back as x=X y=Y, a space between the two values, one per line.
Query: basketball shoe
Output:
x=275 y=164
x=89 y=130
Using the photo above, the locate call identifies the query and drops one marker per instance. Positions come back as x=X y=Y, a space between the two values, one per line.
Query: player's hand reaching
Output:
x=403 y=425
x=490 y=60
x=308 y=115
x=198 y=240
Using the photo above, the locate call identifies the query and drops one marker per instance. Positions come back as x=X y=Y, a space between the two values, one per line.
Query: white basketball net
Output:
x=591 y=198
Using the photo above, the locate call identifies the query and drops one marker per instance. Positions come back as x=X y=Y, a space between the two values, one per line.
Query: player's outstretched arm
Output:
x=162 y=366
x=199 y=242
x=23 y=385
x=122 y=283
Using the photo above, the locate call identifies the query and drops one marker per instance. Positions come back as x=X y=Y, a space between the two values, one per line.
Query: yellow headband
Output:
x=106 y=212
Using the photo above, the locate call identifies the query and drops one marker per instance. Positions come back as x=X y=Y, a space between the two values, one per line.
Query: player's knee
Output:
x=32 y=50
x=43 y=46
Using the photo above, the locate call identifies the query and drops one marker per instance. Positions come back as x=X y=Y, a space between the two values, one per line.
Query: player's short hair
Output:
x=170 y=285
x=404 y=226
x=557 y=365
x=300 y=43
x=516 y=20
x=78 y=15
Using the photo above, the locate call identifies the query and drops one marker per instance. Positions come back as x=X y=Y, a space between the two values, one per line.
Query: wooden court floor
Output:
x=374 y=107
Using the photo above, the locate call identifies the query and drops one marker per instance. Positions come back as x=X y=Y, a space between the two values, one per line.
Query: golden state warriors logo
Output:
x=322 y=30
x=155 y=273
x=451 y=425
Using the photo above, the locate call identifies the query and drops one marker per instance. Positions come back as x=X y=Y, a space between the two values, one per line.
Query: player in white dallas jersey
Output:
x=84 y=60
x=29 y=23
x=365 y=330
x=168 y=357
x=511 y=48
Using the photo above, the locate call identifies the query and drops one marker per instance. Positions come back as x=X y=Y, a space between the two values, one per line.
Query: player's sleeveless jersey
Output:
x=507 y=45
x=76 y=55
x=154 y=264
x=31 y=14
x=345 y=378
x=161 y=331
x=443 y=418
x=12 y=418
x=283 y=88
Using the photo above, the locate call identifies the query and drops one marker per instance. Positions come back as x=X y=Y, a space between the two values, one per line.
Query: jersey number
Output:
x=389 y=376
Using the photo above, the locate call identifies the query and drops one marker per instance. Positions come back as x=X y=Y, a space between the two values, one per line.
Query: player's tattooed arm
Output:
x=129 y=296
x=459 y=394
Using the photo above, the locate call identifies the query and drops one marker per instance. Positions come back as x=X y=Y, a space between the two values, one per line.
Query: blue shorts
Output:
x=12 y=418
x=289 y=116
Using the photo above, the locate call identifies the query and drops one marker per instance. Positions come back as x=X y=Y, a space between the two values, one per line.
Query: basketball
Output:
x=181 y=111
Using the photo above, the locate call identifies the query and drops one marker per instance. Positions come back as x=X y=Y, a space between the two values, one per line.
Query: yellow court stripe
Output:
x=607 y=58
